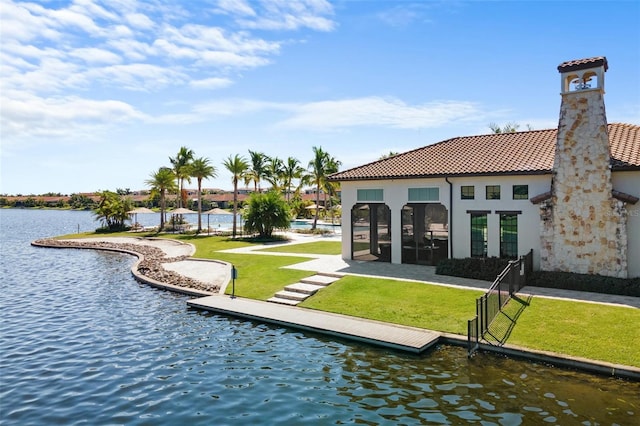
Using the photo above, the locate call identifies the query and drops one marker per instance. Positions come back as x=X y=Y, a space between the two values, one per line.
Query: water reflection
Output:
x=83 y=343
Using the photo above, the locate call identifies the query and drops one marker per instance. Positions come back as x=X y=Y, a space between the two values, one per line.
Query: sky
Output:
x=98 y=95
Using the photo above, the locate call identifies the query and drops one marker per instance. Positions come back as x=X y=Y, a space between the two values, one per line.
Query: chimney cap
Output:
x=581 y=64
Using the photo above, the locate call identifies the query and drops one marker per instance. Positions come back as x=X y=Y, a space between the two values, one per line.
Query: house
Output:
x=569 y=194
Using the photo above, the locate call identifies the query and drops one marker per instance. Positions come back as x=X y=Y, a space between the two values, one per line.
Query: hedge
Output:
x=585 y=282
x=479 y=268
x=489 y=268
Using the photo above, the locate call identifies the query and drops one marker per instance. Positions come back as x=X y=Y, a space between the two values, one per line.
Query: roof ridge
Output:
x=525 y=152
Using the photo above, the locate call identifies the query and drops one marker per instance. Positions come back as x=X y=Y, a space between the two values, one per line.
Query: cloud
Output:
x=373 y=112
x=125 y=43
x=405 y=14
x=376 y=112
x=291 y=15
x=93 y=55
x=211 y=83
x=139 y=21
x=138 y=77
x=69 y=117
x=235 y=7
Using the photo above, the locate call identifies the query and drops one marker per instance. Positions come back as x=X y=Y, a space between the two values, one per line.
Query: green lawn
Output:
x=259 y=276
x=317 y=247
x=401 y=302
x=594 y=331
x=589 y=330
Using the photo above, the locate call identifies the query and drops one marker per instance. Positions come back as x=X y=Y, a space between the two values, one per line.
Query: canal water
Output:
x=82 y=343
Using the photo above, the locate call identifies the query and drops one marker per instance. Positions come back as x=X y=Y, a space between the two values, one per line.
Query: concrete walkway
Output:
x=332 y=264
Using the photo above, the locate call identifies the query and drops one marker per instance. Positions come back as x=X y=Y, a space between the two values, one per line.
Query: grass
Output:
x=259 y=276
x=400 y=302
x=317 y=247
x=594 y=331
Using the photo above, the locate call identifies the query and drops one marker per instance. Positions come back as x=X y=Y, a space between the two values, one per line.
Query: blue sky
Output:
x=97 y=95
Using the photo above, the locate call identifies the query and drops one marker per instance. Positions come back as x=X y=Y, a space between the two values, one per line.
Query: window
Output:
x=493 y=192
x=520 y=192
x=370 y=195
x=424 y=194
x=478 y=235
x=467 y=192
x=509 y=235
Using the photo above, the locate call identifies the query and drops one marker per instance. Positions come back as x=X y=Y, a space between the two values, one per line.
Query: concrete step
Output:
x=289 y=302
x=292 y=295
x=304 y=288
x=323 y=280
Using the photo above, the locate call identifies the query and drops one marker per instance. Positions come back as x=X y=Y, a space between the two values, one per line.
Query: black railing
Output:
x=490 y=304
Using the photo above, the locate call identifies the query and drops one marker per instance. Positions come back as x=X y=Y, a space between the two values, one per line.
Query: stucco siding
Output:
x=629 y=183
x=528 y=219
x=395 y=194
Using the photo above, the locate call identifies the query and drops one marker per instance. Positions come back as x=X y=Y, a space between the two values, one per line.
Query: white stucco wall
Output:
x=528 y=220
x=629 y=183
x=396 y=196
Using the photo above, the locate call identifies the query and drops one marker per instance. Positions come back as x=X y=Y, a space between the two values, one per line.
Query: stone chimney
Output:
x=583 y=226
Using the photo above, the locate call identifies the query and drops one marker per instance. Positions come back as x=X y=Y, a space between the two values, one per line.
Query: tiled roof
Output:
x=580 y=64
x=518 y=153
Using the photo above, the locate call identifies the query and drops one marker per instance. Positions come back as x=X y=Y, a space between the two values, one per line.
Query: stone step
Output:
x=323 y=280
x=304 y=288
x=292 y=295
x=289 y=302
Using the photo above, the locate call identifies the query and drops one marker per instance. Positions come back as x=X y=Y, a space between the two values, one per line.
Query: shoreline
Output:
x=152 y=262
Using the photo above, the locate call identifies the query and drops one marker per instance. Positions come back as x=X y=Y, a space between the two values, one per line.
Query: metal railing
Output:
x=490 y=304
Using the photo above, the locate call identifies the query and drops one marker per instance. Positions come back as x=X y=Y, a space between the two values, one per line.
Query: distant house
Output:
x=225 y=200
x=569 y=194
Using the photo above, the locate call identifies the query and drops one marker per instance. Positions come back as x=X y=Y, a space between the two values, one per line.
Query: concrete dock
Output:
x=378 y=333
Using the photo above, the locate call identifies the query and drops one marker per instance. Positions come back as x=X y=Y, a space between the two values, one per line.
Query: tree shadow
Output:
x=504 y=323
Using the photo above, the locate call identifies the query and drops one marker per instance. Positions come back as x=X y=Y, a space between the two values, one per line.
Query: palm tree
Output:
x=113 y=209
x=181 y=164
x=274 y=170
x=510 y=127
x=331 y=187
x=161 y=182
x=321 y=166
x=202 y=169
x=389 y=155
x=257 y=170
x=238 y=167
x=291 y=170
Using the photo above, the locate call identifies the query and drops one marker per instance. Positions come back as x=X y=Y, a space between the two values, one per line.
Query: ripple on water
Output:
x=83 y=343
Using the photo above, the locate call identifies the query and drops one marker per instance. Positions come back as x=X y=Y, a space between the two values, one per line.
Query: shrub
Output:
x=479 y=268
x=585 y=282
x=266 y=212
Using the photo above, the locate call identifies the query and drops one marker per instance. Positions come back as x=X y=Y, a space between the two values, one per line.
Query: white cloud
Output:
x=18 y=23
x=292 y=15
x=405 y=14
x=376 y=112
x=211 y=83
x=138 y=77
x=341 y=114
x=69 y=117
x=139 y=21
x=93 y=55
x=126 y=43
x=235 y=7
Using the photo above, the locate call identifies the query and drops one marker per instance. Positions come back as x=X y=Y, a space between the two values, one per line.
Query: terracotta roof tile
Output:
x=580 y=64
x=530 y=152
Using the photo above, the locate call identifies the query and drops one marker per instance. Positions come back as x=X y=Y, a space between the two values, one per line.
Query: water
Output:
x=82 y=343
x=222 y=222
